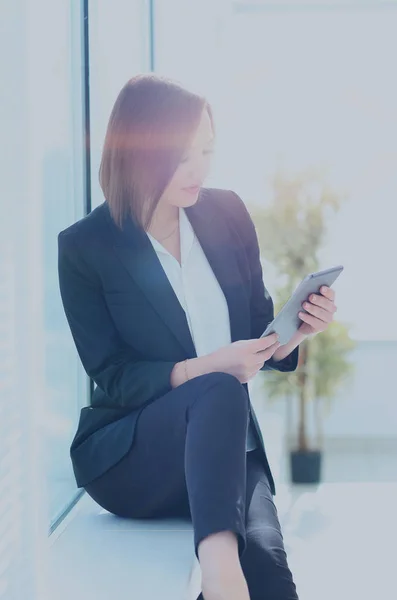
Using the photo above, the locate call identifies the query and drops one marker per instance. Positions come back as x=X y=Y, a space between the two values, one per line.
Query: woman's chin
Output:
x=188 y=200
x=191 y=203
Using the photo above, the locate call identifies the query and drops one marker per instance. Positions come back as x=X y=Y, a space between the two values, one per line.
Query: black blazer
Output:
x=130 y=329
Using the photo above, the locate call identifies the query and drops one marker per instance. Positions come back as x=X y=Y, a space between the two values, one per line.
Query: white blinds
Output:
x=23 y=518
x=22 y=507
x=10 y=430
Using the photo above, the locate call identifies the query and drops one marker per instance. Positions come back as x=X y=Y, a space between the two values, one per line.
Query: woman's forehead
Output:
x=204 y=133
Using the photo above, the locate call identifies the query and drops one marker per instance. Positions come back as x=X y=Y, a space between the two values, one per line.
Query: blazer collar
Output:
x=136 y=252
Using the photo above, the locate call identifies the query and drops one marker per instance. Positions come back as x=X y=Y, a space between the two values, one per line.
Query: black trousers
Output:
x=189 y=460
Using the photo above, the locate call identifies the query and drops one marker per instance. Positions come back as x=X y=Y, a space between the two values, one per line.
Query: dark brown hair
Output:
x=151 y=125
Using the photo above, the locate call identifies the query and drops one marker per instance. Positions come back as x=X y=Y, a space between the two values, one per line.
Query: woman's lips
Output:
x=192 y=190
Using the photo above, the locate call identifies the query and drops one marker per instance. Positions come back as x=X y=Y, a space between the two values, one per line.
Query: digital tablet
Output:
x=287 y=321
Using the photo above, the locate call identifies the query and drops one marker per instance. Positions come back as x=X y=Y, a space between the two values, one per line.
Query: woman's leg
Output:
x=188 y=457
x=264 y=561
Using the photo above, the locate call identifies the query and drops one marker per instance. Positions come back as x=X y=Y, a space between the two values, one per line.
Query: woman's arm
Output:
x=127 y=381
x=191 y=368
x=262 y=308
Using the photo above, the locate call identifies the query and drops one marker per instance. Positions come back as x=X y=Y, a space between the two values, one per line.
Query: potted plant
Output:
x=291 y=233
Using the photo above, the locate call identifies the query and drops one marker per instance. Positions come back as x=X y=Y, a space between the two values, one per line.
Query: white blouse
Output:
x=199 y=294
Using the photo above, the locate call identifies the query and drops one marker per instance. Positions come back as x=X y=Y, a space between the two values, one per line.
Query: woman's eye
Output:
x=205 y=152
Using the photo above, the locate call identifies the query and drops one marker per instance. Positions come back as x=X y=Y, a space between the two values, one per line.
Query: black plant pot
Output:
x=305 y=466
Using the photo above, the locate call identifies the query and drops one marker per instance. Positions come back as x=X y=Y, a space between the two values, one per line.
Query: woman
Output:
x=162 y=288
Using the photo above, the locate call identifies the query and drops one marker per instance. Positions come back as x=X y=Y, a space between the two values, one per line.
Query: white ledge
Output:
x=96 y=555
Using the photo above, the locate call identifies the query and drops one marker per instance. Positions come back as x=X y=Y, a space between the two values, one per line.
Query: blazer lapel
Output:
x=219 y=246
x=136 y=252
x=134 y=249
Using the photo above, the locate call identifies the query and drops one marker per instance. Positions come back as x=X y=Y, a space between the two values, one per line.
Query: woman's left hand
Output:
x=321 y=308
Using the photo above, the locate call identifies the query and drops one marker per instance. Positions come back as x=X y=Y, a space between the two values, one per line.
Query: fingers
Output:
x=317 y=324
x=317 y=311
x=269 y=351
x=254 y=359
x=328 y=292
x=322 y=302
x=264 y=355
x=260 y=359
x=263 y=343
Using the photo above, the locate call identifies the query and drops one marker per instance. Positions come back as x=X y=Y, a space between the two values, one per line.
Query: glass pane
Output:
x=64 y=203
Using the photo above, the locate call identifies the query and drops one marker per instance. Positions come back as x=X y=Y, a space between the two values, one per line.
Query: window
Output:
x=64 y=202
x=298 y=85
x=294 y=87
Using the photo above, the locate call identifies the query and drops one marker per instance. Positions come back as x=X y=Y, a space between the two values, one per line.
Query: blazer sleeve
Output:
x=127 y=381
x=261 y=303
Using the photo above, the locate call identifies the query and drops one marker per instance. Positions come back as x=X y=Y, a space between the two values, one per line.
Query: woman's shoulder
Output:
x=89 y=227
x=225 y=200
x=85 y=241
x=229 y=204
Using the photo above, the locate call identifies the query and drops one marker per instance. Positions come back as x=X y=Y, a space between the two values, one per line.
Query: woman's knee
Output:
x=220 y=378
x=222 y=392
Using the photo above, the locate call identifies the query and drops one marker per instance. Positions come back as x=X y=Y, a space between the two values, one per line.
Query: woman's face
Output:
x=184 y=187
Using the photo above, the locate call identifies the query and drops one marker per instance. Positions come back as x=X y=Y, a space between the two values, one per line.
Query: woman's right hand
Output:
x=244 y=358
